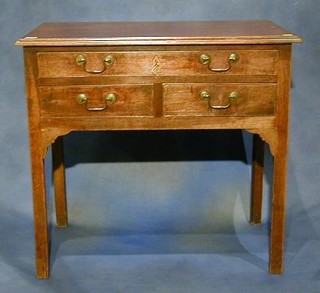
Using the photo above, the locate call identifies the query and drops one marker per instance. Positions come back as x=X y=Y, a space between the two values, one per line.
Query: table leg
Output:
x=59 y=183
x=257 y=180
x=278 y=207
x=40 y=210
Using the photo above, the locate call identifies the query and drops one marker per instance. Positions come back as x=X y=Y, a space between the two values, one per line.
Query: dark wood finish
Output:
x=157 y=77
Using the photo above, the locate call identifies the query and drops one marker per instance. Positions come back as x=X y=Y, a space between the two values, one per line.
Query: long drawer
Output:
x=153 y=63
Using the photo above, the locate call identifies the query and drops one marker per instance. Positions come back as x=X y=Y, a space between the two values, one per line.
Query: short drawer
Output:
x=87 y=101
x=203 y=99
x=157 y=63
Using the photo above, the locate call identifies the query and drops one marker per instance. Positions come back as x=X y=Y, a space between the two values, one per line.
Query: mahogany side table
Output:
x=159 y=76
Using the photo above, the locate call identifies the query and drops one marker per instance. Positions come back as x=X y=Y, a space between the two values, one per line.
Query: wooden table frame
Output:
x=46 y=131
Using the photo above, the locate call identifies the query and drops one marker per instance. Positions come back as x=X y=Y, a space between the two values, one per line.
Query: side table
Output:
x=159 y=76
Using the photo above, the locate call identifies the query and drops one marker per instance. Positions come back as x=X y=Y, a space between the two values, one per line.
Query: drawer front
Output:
x=157 y=63
x=205 y=99
x=88 y=101
x=84 y=64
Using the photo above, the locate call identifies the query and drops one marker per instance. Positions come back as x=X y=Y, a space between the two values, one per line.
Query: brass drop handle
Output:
x=206 y=96
x=205 y=59
x=83 y=99
x=82 y=60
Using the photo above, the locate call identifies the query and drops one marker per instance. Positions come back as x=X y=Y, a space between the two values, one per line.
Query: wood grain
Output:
x=253 y=99
x=280 y=165
x=152 y=63
x=150 y=33
x=59 y=183
x=131 y=100
x=257 y=180
x=37 y=168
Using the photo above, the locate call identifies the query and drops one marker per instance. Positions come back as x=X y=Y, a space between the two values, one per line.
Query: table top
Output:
x=158 y=33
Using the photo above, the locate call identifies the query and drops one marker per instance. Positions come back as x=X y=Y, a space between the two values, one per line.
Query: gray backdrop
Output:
x=160 y=211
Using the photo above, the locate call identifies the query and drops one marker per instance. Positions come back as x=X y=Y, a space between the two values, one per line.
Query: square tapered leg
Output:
x=257 y=180
x=59 y=183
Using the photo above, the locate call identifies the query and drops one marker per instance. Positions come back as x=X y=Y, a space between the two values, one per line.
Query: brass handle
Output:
x=205 y=59
x=82 y=60
x=83 y=99
x=206 y=96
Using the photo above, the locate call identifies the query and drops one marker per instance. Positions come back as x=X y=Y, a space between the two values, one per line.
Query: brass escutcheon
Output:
x=111 y=98
x=82 y=98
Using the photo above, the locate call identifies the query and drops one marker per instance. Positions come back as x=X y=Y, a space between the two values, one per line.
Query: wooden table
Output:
x=159 y=76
